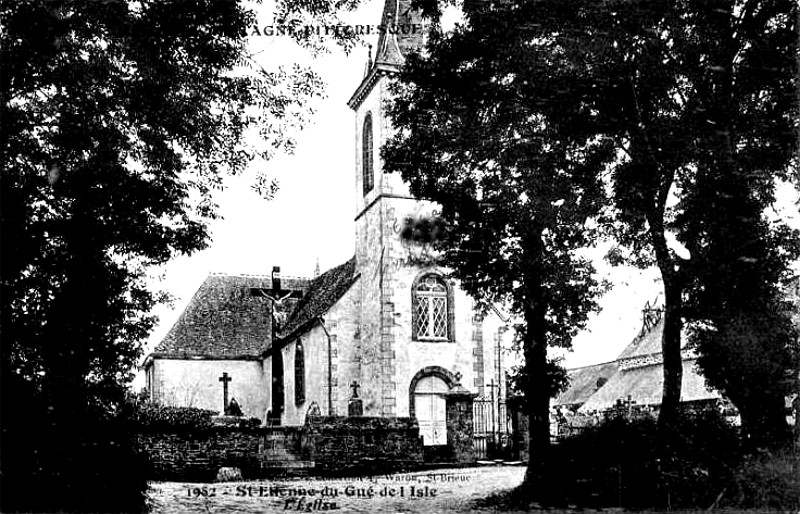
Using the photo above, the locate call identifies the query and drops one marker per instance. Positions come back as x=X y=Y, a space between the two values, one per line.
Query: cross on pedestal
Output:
x=225 y=379
x=355 y=387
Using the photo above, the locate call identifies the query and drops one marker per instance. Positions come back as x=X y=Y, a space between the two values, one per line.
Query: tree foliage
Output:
x=700 y=101
x=744 y=85
x=688 y=107
x=704 y=104
x=119 y=121
x=516 y=182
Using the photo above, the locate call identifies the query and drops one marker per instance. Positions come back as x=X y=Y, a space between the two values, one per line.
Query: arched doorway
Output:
x=429 y=408
x=277 y=387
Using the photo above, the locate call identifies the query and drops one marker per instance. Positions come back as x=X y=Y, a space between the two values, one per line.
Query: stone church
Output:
x=388 y=327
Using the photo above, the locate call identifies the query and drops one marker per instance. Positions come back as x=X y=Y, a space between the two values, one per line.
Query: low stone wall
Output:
x=198 y=456
x=340 y=445
x=327 y=444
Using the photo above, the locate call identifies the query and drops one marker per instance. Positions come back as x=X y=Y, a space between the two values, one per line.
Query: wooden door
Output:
x=430 y=410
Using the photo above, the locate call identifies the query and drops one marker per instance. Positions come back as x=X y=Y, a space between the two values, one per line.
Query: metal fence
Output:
x=491 y=427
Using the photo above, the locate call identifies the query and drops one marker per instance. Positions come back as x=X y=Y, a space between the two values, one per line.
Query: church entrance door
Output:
x=430 y=410
x=277 y=387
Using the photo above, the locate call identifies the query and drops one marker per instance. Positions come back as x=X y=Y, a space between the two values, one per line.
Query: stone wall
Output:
x=460 y=427
x=327 y=444
x=198 y=456
x=519 y=422
x=340 y=444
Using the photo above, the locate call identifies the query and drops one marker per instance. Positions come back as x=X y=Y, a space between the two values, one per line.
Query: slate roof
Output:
x=584 y=382
x=224 y=320
x=644 y=385
x=389 y=50
x=648 y=343
x=322 y=293
x=637 y=373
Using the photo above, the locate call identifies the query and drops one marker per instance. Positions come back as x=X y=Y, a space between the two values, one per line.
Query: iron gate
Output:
x=491 y=427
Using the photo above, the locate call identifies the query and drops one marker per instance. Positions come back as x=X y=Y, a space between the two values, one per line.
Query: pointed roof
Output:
x=639 y=374
x=224 y=320
x=322 y=293
x=647 y=342
x=401 y=31
x=644 y=385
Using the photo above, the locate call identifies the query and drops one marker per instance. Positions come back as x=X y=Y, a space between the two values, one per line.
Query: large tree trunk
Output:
x=673 y=324
x=671 y=352
x=537 y=393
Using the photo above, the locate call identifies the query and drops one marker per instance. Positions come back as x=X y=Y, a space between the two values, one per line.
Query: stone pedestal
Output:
x=355 y=407
x=519 y=428
x=460 y=424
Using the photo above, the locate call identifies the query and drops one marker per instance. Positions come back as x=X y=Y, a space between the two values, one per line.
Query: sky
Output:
x=310 y=219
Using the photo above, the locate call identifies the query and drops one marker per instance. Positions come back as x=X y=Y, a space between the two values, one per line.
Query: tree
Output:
x=119 y=120
x=516 y=182
x=686 y=91
x=700 y=98
x=739 y=321
x=704 y=104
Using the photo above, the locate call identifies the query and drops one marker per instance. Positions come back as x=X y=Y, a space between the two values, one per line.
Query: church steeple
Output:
x=401 y=31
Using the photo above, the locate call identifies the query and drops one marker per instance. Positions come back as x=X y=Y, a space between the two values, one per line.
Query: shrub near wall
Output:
x=150 y=417
x=344 y=445
x=770 y=481
x=622 y=462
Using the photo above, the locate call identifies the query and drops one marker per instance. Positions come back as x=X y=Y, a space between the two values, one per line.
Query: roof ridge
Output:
x=593 y=365
x=254 y=275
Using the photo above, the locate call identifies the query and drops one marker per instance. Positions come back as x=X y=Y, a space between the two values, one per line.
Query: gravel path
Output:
x=443 y=490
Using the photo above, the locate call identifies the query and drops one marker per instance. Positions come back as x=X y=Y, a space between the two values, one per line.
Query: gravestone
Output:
x=355 y=406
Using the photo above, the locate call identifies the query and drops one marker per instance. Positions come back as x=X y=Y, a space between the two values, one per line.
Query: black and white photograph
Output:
x=399 y=256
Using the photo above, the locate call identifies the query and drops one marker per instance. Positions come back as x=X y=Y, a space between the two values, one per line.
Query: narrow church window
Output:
x=430 y=309
x=366 y=154
x=299 y=373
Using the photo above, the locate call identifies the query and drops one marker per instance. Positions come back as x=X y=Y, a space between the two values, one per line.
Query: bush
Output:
x=59 y=460
x=767 y=481
x=625 y=461
x=158 y=418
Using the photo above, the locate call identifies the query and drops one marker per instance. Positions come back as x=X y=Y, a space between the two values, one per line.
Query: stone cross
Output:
x=225 y=379
x=626 y=404
x=355 y=387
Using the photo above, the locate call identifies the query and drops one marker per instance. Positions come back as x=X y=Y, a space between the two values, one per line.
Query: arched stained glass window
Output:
x=368 y=176
x=299 y=373
x=431 y=315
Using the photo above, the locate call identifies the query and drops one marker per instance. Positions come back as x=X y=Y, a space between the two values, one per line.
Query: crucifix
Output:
x=277 y=295
x=225 y=379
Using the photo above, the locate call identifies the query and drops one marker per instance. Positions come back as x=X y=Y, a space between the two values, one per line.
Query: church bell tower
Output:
x=383 y=201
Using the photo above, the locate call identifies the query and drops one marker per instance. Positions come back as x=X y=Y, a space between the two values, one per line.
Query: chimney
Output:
x=276 y=278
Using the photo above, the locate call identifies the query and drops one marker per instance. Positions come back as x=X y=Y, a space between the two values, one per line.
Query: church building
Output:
x=387 y=327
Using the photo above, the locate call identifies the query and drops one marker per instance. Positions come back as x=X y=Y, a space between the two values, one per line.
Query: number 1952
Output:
x=201 y=492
